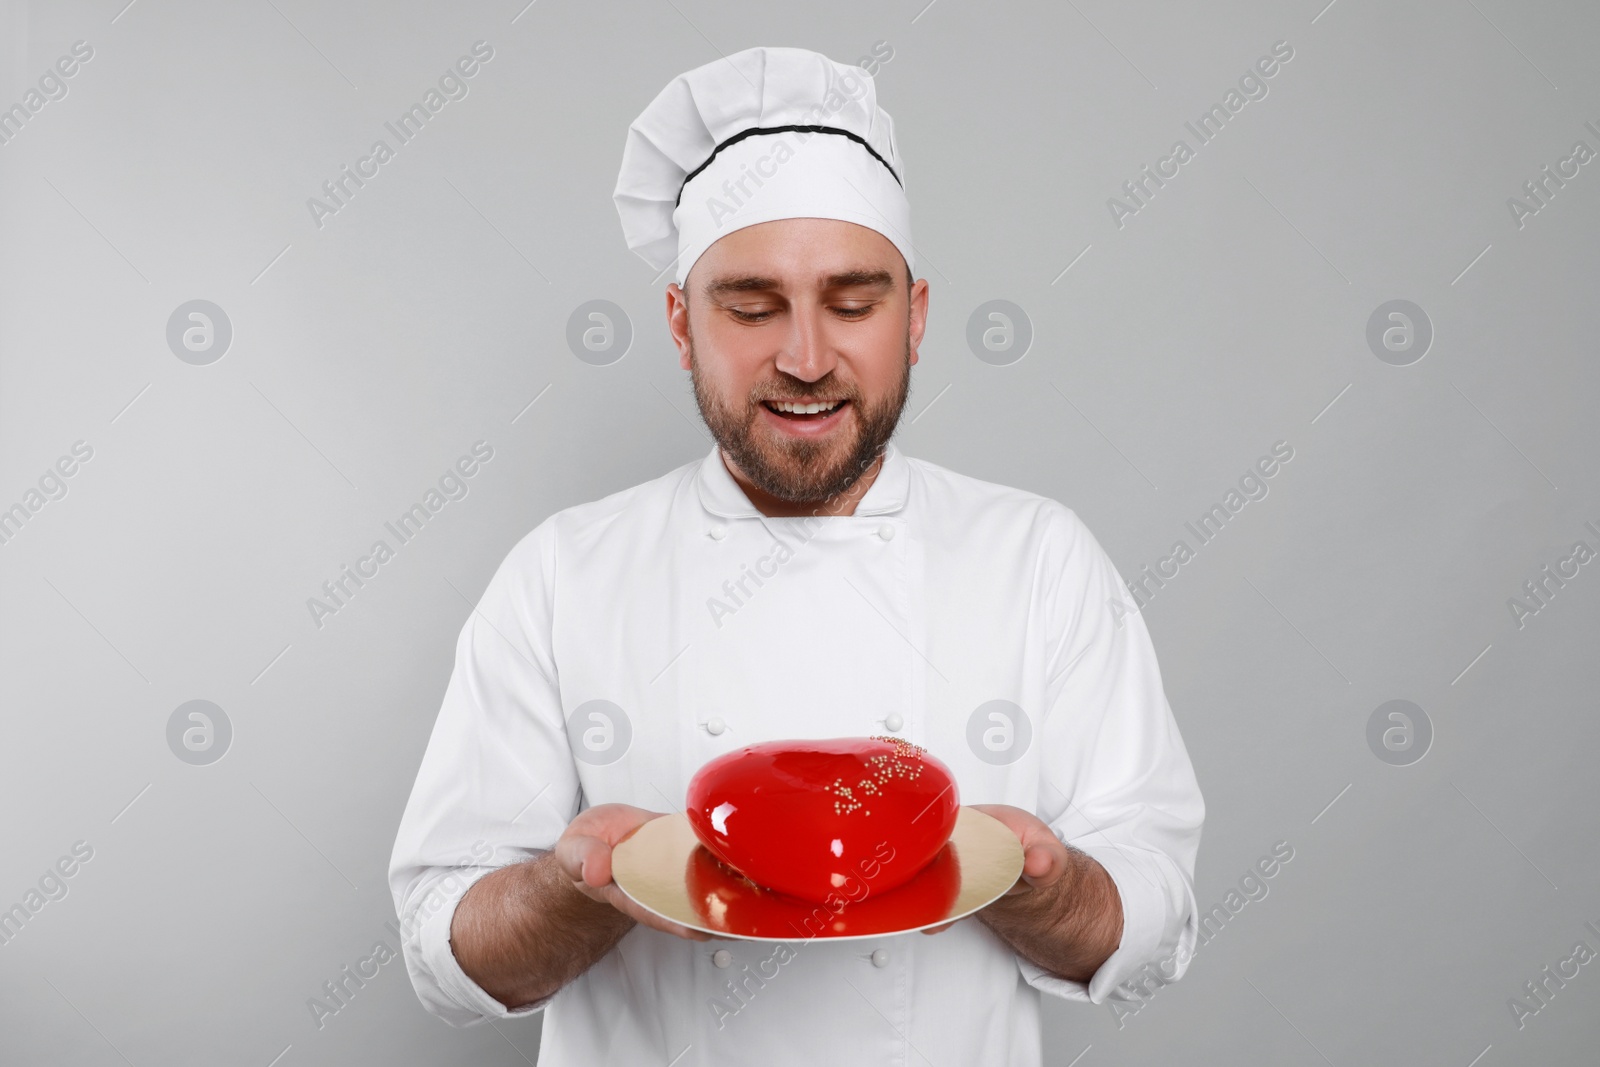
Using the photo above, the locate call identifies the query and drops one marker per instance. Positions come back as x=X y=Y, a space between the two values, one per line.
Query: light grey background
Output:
x=1228 y=314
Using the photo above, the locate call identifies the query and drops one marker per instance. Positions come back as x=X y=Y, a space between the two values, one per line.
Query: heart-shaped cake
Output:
x=825 y=820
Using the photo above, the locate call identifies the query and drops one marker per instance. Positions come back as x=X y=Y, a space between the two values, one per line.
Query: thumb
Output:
x=585 y=859
x=1039 y=865
x=1040 y=869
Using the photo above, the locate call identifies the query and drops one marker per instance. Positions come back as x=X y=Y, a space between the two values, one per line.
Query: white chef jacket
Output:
x=625 y=642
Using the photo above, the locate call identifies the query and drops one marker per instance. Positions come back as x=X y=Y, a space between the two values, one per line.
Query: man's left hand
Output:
x=1064 y=913
x=1044 y=857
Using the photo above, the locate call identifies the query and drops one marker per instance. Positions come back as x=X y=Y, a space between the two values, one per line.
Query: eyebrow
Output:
x=752 y=283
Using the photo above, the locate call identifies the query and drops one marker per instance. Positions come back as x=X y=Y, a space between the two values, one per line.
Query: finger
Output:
x=569 y=857
x=597 y=863
x=1045 y=865
x=585 y=859
x=1031 y=832
x=610 y=822
x=1042 y=867
x=625 y=819
x=1039 y=863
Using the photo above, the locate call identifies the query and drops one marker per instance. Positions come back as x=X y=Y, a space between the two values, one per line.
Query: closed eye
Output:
x=846 y=313
x=854 y=313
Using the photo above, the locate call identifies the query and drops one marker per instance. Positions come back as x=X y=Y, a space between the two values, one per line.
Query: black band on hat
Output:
x=757 y=130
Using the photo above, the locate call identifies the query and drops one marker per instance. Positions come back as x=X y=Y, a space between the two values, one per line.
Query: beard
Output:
x=800 y=470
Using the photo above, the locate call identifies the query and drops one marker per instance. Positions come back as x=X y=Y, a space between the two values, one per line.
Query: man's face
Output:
x=800 y=311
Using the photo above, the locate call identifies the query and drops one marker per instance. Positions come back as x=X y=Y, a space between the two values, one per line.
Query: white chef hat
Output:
x=765 y=134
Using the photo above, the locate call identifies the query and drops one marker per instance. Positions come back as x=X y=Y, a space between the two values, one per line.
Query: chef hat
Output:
x=765 y=134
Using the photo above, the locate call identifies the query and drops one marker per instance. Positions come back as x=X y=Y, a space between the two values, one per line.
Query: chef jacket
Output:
x=624 y=642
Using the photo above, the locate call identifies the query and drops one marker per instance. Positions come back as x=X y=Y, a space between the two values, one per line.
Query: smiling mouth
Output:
x=805 y=410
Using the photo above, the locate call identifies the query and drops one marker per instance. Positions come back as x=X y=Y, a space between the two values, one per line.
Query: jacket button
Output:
x=715 y=725
x=717 y=533
x=886 y=531
x=893 y=722
x=722 y=957
x=880 y=958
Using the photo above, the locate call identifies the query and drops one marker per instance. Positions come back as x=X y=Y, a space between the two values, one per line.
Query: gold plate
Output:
x=664 y=869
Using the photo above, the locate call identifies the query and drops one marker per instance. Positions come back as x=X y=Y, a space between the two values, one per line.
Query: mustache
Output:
x=825 y=389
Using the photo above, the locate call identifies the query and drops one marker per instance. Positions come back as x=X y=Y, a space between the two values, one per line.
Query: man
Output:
x=803 y=580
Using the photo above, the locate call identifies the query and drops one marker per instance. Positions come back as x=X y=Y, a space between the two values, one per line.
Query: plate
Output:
x=664 y=869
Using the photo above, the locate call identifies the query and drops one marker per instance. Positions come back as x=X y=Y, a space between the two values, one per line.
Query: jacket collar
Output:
x=721 y=495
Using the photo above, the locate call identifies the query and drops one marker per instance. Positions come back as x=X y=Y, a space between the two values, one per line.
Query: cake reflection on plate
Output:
x=727 y=901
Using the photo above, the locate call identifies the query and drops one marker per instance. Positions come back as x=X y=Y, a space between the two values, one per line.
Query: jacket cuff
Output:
x=440 y=961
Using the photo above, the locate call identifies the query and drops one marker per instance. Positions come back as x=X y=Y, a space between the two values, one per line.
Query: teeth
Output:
x=805 y=409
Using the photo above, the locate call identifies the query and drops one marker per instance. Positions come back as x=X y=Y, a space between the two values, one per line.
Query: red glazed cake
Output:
x=815 y=819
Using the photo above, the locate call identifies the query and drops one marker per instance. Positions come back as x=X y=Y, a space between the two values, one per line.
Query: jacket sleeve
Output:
x=497 y=783
x=1115 y=778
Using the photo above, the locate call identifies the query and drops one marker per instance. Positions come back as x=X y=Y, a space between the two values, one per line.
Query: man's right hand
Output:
x=526 y=930
x=583 y=853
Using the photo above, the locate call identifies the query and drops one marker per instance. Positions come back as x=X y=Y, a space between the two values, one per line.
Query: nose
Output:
x=807 y=353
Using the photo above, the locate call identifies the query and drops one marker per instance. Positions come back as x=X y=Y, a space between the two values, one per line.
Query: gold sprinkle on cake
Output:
x=904 y=762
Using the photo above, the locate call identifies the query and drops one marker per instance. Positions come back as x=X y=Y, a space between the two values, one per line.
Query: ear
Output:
x=918 y=316
x=678 y=322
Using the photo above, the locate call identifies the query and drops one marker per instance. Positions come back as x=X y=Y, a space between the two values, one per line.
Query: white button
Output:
x=715 y=725
x=880 y=958
x=718 y=532
x=722 y=957
x=894 y=722
x=886 y=532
